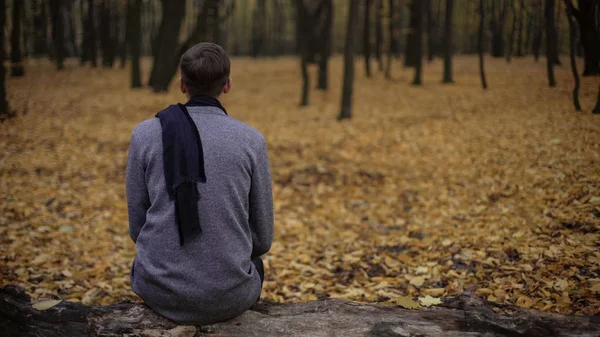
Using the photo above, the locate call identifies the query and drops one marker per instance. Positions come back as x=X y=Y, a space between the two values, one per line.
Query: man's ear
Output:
x=182 y=86
x=227 y=86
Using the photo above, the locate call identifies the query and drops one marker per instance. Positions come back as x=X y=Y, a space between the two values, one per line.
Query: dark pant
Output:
x=260 y=267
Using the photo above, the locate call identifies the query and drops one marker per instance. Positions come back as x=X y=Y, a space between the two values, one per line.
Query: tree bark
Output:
x=498 y=19
x=168 y=39
x=393 y=40
x=134 y=35
x=346 y=106
x=258 y=28
x=481 y=42
x=16 y=57
x=4 y=108
x=511 y=40
x=416 y=18
x=537 y=38
x=58 y=33
x=302 y=35
x=91 y=30
x=590 y=42
x=550 y=41
x=448 y=42
x=459 y=316
x=379 y=33
x=431 y=24
x=572 y=42
x=367 y=37
x=420 y=8
x=325 y=43
x=40 y=25
x=106 y=36
x=597 y=107
x=520 y=29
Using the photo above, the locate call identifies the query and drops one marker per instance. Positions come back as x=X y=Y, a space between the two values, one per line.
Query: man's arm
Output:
x=261 y=204
x=138 y=200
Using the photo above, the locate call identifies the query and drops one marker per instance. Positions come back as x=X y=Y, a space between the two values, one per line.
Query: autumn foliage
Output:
x=433 y=190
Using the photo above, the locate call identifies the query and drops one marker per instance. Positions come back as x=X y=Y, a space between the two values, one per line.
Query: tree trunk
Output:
x=121 y=33
x=134 y=35
x=325 y=44
x=481 y=42
x=430 y=28
x=597 y=107
x=393 y=40
x=40 y=25
x=379 y=33
x=550 y=41
x=410 y=59
x=420 y=7
x=459 y=316
x=258 y=28
x=4 y=108
x=448 y=42
x=346 y=106
x=58 y=33
x=168 y=40
x=302 y=35
x=537 y=39
x=520 y=29
x=84 y=40
x=572 y=42
x=16 y=58
x=590 y=42
x=106 y=36
x=511 y=40
x=91 y=28
x=367 y=37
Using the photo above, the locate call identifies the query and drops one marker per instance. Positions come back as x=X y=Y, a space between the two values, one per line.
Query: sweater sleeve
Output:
x=261 y=204
x=138 y=200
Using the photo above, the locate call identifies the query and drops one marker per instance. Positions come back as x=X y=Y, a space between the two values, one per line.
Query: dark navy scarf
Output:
x=183 y=160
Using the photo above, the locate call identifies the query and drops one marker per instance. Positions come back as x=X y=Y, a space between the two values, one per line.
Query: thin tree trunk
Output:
x=4 y=108
x=420 y=9
x=16 y=58
x=393 y=44
x=588 y=35
x=302 y=31
x=481 y=41
x=572 y=42
x=520 y=29
x=448 y=42
x=367 y=37
x=106 y=36
x=134 y=38
x=379 y=33
x=258 y=28
x=511 y=40
x=597 y=107
x=346 y=106
x=58 y=36
x=322 y=82
x=537 y=39
x=430 y=28
x=92 y=40
x=410 y=59
x=85 y=35
x=550 y=41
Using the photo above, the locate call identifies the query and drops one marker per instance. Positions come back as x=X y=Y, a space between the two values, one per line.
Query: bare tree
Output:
x=448 y=42
x=367 y=37
x=588 y=20
x=418 y=42
x=58 y=35
x=378 y=33
x=550 y=41
x=481 y=42
x=16 y=58
x=572 y=42
x=258 y=28
x=325 y=27
x=393 y=45
x=346 y=108
x=134 y=34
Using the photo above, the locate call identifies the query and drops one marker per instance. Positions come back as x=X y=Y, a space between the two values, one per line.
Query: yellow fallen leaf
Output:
x=561 y=284
x=428 y=301
x=417 y=281
x=434 y=291
x=45 y=304
x=405 y=302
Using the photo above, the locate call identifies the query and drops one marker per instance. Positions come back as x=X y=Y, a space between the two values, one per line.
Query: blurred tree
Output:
x=4 y=109
x=481 y=42
x=107 y=38
x=416 y=18
x=92 y=42
x=134 y=16
x=448 y=42
x=418 y=42
x=40 y=27
x=379 y=33
x=499 y=9
x=513 y=30
x=258 y=28
x=431 y=27
x=572 y=42
x=16 y=58
x=393 y=38
x=367 y=37
x=536 y=43
x=346 y=106
x=325 y=27
x=519 y=17
x=58 y=35
x=589 y=23
x=550 y=41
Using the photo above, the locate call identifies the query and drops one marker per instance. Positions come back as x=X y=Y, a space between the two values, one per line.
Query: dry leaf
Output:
x=406 y=302
x=45 y=304
x=428 y=301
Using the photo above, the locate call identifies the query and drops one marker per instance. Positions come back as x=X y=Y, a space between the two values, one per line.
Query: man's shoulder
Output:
x=249 y=133
x=147 y=130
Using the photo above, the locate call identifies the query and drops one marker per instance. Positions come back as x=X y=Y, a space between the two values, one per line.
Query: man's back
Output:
x=209 y=278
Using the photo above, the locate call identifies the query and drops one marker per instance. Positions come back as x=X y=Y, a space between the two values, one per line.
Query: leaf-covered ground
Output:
x=434 y=190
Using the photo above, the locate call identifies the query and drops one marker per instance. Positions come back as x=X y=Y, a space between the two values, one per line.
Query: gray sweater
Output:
x=210 y=278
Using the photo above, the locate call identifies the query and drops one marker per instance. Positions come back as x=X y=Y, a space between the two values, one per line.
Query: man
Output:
x=199 y=200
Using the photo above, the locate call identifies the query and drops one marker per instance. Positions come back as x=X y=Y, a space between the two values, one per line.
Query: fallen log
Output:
x=459 y=316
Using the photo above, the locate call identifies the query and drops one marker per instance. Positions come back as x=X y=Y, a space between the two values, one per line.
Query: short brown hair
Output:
x=205 y=69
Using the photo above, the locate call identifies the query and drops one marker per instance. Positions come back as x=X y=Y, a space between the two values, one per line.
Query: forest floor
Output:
x=439 y=189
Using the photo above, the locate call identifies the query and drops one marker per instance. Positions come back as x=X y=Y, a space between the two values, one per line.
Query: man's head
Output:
x=205 y=70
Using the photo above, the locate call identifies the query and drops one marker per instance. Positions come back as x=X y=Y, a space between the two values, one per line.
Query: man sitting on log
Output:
x=199 y=200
